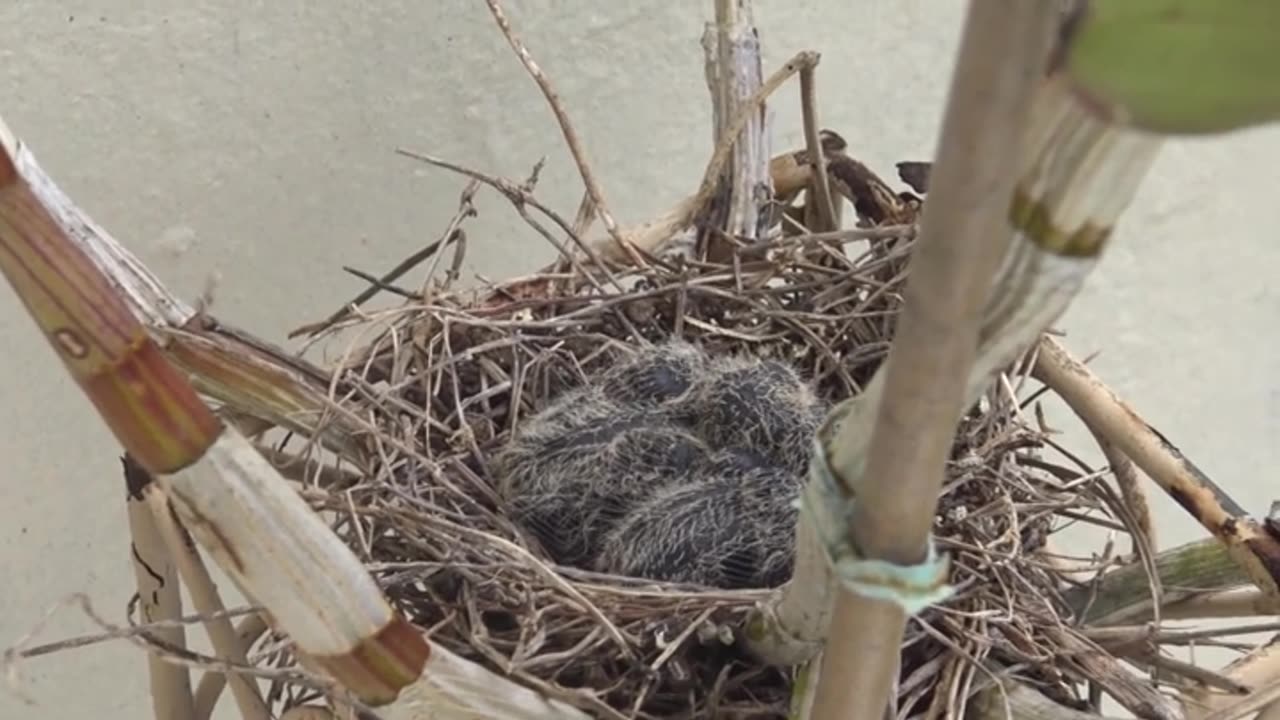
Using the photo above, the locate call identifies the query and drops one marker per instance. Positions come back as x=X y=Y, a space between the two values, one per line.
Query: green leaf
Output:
x=1179 y=66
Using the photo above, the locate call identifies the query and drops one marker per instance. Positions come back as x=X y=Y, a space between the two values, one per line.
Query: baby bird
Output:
x=757 y=405
x=656 y=375
x=670 y=466
x=571 y=476
x=733 y=528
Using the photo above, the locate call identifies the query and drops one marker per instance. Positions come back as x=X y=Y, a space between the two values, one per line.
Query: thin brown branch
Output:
x=451 y=234
x=1134 y=493
x=1259 y=670
x=1120 y=635
x=566 y=127
x=1016 y=701
x=821 y=187
x=1237 y=602
x=212 y=683
x=143 y=638
x=1249 y=544
x=1165 y=666
x=521 y=195
x=117 y=633
x=308 y=712
x=1132 y=693
x=1259 y=699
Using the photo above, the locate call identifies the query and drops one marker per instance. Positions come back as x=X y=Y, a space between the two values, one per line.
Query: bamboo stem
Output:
x=205 y=597
x=963 y=237
x=1124 y=594
x=159 y=599
x=1077 y=176
x=213 y=682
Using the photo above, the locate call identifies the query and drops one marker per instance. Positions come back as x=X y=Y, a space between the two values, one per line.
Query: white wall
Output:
x=255 y=141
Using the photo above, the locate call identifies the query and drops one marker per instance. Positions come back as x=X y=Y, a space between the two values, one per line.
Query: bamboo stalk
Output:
x=963 y=237
x=1124 y=595
x=204 y=595
x=159 y=599
x=1077 y=175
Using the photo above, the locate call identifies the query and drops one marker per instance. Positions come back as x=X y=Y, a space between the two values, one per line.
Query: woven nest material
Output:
x=447 y=379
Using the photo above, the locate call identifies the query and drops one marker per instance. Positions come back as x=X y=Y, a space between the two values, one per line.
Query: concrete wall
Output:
x=254 y=141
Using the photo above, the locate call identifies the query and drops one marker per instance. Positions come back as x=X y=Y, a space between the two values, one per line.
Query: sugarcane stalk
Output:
x=272 y=545
x=228 y=366
x=220 y=486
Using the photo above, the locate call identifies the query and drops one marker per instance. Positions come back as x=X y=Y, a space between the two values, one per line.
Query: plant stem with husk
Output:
x=964 y=235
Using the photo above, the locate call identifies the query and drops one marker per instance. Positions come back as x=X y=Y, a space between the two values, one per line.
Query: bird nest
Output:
x=448 y=376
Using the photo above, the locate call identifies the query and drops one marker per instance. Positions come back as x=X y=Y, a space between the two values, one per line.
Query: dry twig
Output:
x=566 y=127
x=1257 y=550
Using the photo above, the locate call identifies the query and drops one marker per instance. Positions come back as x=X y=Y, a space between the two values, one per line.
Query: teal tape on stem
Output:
x=911 y=587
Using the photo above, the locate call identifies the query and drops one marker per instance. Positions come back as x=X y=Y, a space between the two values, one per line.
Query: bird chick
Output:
x=670 y=466
x=760 y=406
x=731 y=528
x=655 y=375
x=570 y=475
